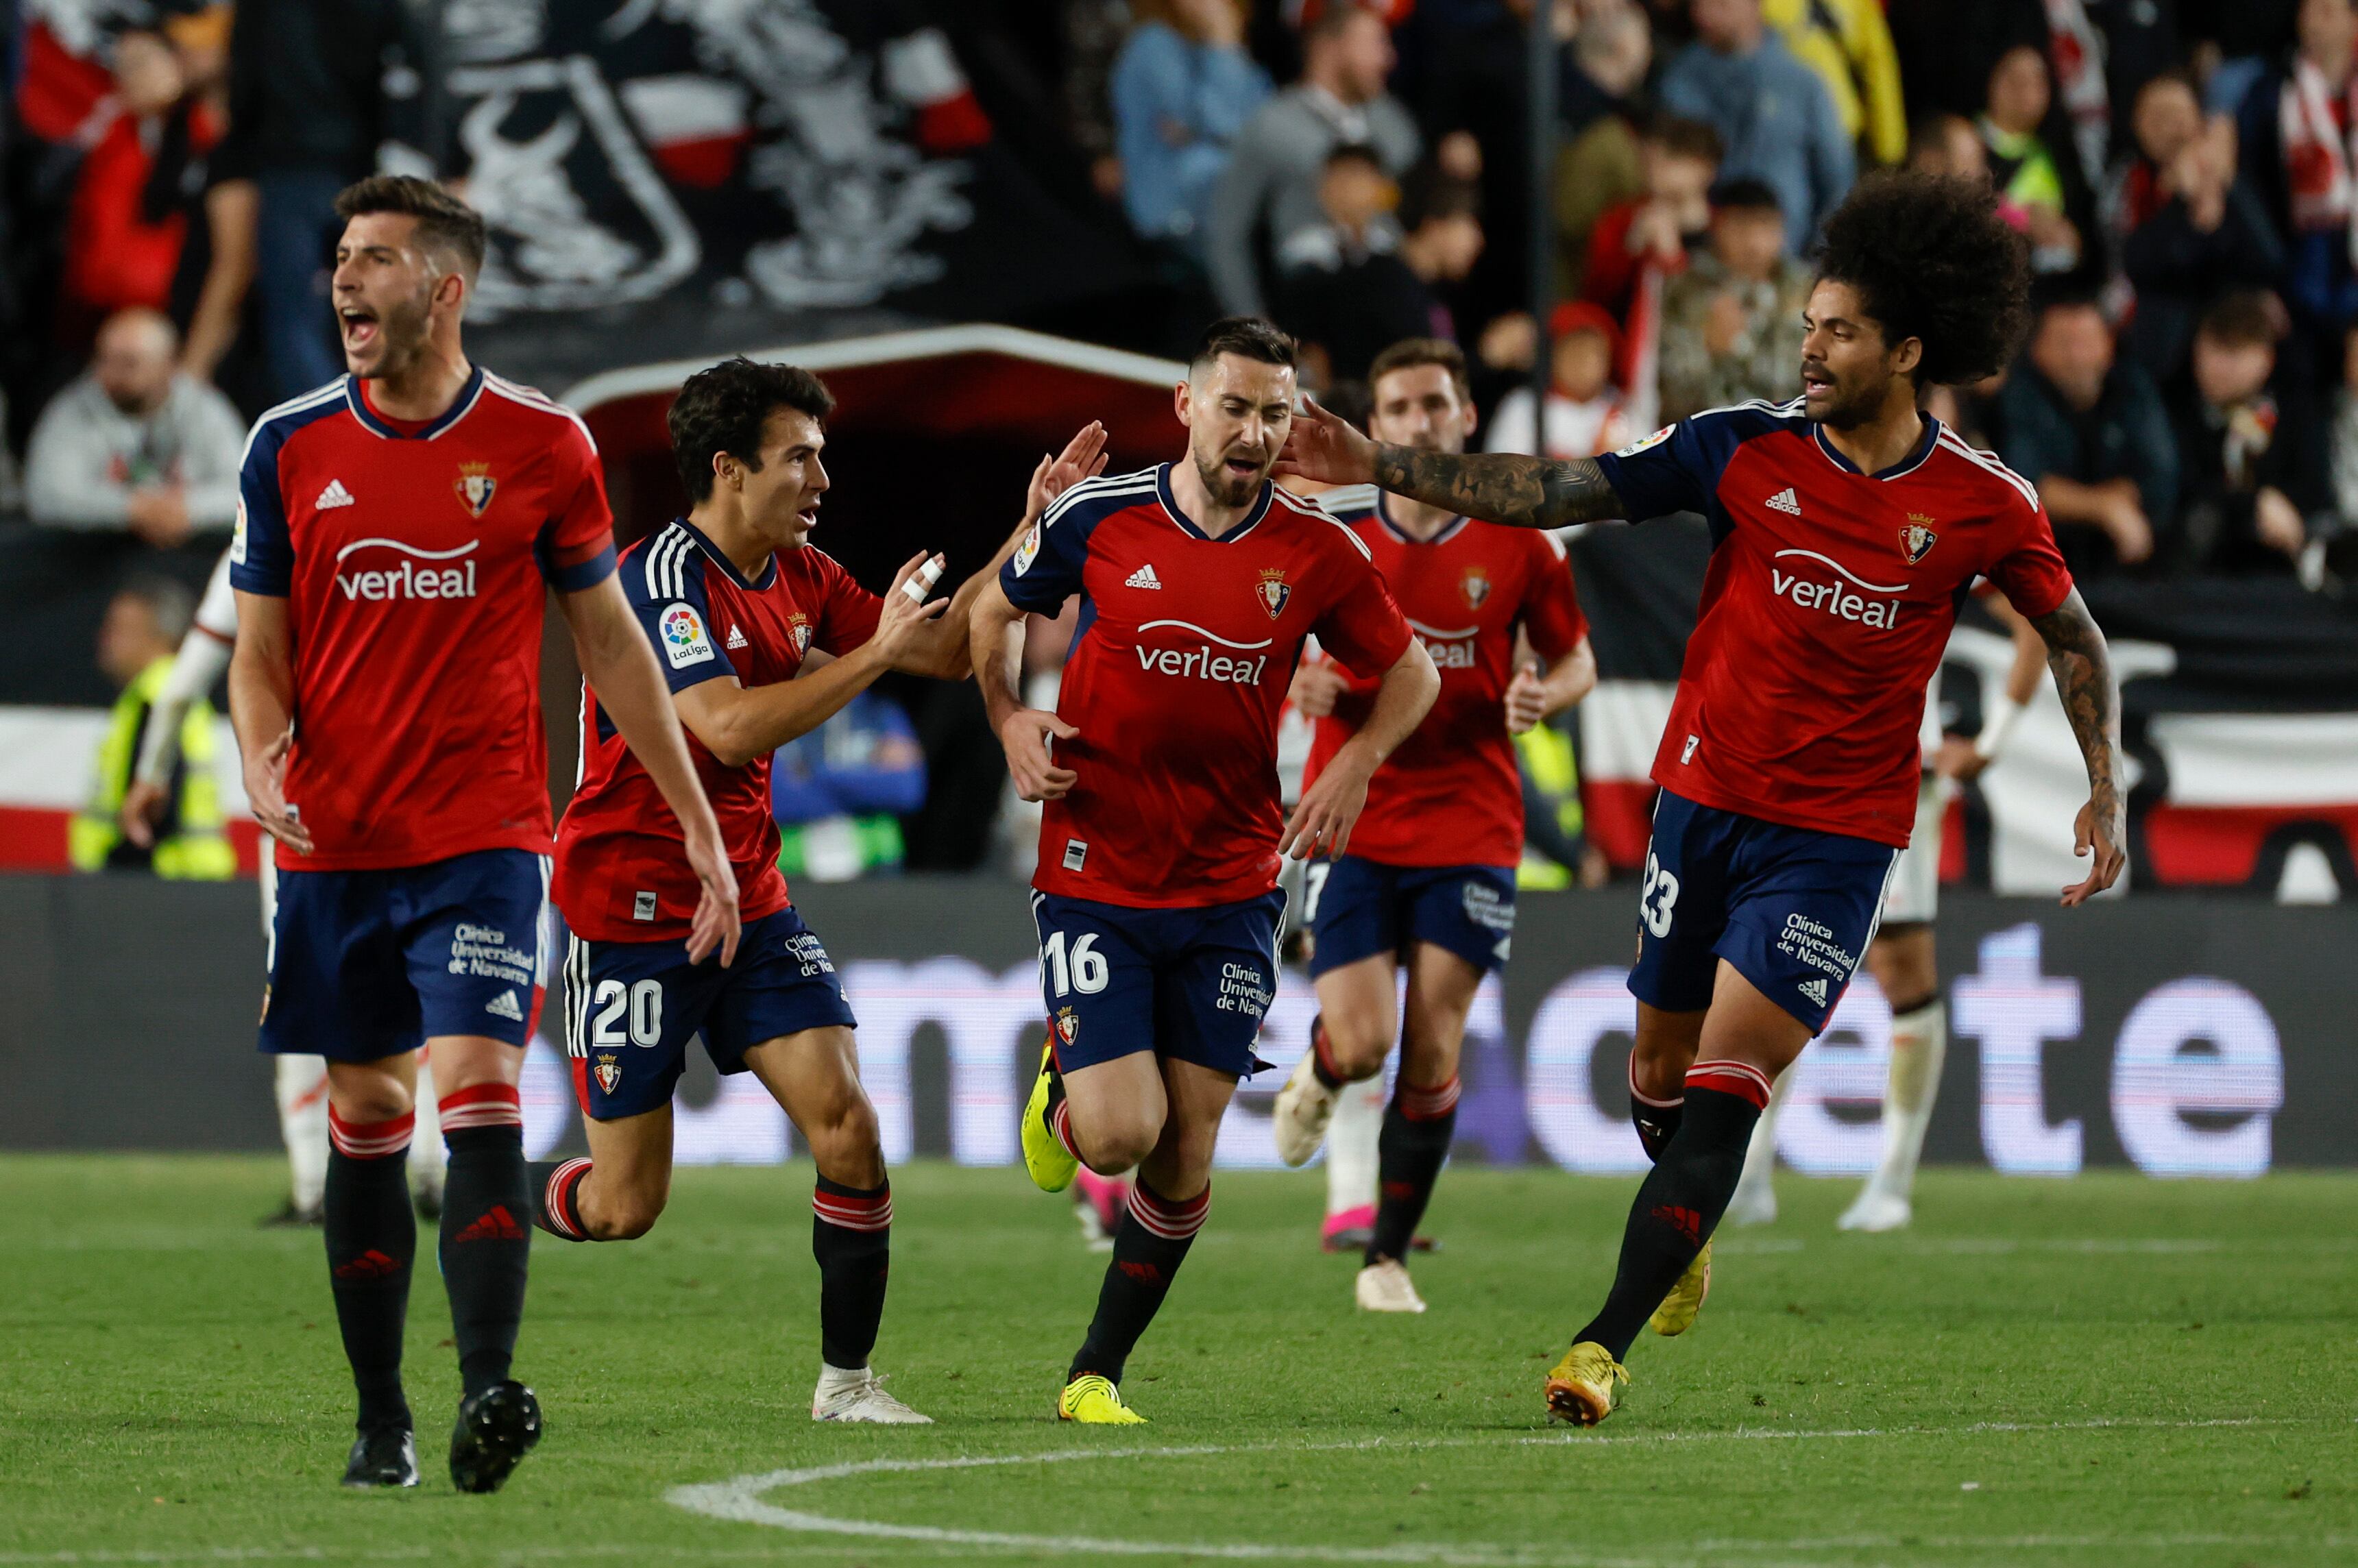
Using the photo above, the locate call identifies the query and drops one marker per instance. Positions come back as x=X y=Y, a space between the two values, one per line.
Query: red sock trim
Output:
x=1171 y=1221
x=854 y=1211
x=369 y=1139
x=1642 y=1098
x=1426 y=1105
x=559 y=1199
x=481 y=1105
x=1060 y=1122
x=1739 y=1078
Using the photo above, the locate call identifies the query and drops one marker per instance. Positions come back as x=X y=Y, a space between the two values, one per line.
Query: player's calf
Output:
x=372 y=1245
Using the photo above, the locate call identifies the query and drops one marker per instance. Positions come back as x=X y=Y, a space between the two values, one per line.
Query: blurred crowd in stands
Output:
x=2186 y=172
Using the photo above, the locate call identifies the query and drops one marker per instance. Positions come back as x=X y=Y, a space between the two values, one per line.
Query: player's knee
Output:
x=845 y=1141
x=625 y=1217
x=1358 y=1044
x=1111 y=1150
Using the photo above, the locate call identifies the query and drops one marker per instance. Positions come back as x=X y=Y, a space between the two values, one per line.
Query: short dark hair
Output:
x=724 y=408
x=1409 y=352
x=1933 y=260
x=1746 y=194
x=1248 y=338
x=445 y=223
x=1681 y=137
x=2242 y=320
x=1430 y=196
x=1331 y=18
x=1356 y=152
x=169 y=602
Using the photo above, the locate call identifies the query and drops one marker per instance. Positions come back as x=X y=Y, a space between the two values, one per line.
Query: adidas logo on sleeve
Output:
x=335 y=495
x=1143 y=577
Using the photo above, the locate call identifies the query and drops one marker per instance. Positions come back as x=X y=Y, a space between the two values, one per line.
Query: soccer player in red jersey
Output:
x=1847 y=525
x=398 y=533
x=1429 y=884
x=1156 y=898
x=764 y=637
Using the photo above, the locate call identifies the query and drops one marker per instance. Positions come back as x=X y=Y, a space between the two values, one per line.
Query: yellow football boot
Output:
x=1677 y=1312
x=1094 y=1401
x=1580 y=1389
x=1050 y=1163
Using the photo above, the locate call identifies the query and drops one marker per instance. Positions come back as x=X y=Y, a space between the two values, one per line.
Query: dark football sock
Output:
x=372 y=1242
x=1681 y=1201
x=1418 y=1125
x=555 y=1190
x=1147 y=1251
x=486 y=1246
x=1657 y=1120
x=851 y=1237
x=1322 y=1057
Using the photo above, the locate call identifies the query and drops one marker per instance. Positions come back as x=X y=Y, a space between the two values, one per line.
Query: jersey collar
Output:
x=1187 y=524
x=458 y=409
x=1449 y=530
x=1899 y=469
x=719 y=557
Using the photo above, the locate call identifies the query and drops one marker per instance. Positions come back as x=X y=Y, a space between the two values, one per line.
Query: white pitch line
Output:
x=741 y=1498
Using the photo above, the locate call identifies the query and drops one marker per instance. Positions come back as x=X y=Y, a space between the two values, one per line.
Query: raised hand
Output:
x=1084 y=456
x=900 y=619
x=1322 y=448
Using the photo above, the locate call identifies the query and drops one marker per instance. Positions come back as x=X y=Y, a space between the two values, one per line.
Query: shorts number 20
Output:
x=645 y=1003
x=1085 y=970
x=1661 y=895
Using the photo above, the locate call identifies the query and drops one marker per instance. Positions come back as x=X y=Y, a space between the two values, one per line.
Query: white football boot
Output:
x=1304 y=1107
x=1384 y=1286
x=859 y=1396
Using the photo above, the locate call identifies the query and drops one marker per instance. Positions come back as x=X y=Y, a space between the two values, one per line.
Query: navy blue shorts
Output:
x=1185 y=983
x=1791 y=908
x=370 y=964
x=1358 y=908
x=629 y=1008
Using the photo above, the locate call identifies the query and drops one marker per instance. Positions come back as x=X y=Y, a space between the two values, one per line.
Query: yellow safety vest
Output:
x=191 y=848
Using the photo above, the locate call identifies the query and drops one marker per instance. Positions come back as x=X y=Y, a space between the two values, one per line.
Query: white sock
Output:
x=1351 y=1145
x=1760 y=1154
x=301 y=1082
x=835 y=1379
x=426 y=1155
x=1919 y=1044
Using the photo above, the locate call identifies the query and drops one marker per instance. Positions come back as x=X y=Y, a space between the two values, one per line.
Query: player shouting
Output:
x=1156 y=897
x=1846 y=527
x=397 y=533
x=1429 y=884
x=740 y=604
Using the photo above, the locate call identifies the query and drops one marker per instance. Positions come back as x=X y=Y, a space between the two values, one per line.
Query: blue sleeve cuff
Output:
x=581 y=574
x=253 y=578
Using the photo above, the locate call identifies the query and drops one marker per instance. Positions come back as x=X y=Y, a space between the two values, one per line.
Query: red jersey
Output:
x=1186 y=648
x=415 y=559
x=1452 y=794
x=622 y=863
x=1826 y=607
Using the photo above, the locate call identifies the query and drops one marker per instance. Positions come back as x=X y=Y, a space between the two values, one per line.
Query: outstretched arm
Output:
x=1498 y=487
x=2083 y=676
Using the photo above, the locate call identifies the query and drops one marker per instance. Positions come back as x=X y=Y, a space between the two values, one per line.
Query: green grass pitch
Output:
x=2105 y=1371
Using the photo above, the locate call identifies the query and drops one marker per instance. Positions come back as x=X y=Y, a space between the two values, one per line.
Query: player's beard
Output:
x=1850 y=406
x=1225 y=488
x=401 y=333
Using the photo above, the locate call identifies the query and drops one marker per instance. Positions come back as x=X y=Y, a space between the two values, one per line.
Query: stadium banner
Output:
x=2184 y=1035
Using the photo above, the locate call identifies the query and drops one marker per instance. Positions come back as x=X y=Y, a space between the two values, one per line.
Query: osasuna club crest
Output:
x=1917 y=537
x=609 y=1069
x=1273 y=590
x=1476 y=586
x=1068 y=1025
x=802 y=632
x=475 y=486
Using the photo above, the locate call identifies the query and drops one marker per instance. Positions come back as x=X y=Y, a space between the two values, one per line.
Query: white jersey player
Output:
x=302 y=1081
x=1902 y=959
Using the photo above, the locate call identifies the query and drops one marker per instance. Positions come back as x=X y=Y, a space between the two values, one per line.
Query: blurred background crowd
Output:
x=2186 y=172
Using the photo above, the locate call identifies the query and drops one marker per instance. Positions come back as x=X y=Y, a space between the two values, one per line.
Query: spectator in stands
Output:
x=1183 y=88
x=135 y=445
x=1583 y=408
x=1848 y=44
x=1655 y=230
x=143 y=626
x=1775 y=120
x=2256 y=483
x=839 y=791
x=2090 y=430
x=1602 y=164
x=1094 y=32
x=2297 y=130
x=1732 y=321
x=1271 y=182
x=139 y=186
x=1948 y=145
x=1365 y=280
x=2190 y=229
x=2035 y=190
x=316 y=101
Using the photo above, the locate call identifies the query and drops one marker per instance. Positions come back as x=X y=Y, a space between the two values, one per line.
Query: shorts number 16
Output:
x=1085 y=971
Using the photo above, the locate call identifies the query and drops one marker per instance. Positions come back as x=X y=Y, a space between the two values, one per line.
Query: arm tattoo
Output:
x=2083 y=677
x=1499 y=487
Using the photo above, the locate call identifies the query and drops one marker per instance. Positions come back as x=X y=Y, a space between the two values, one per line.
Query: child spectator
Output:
x=2255 y=483
x=1732 y=321
x=1583 y=408
x=1367 y=279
